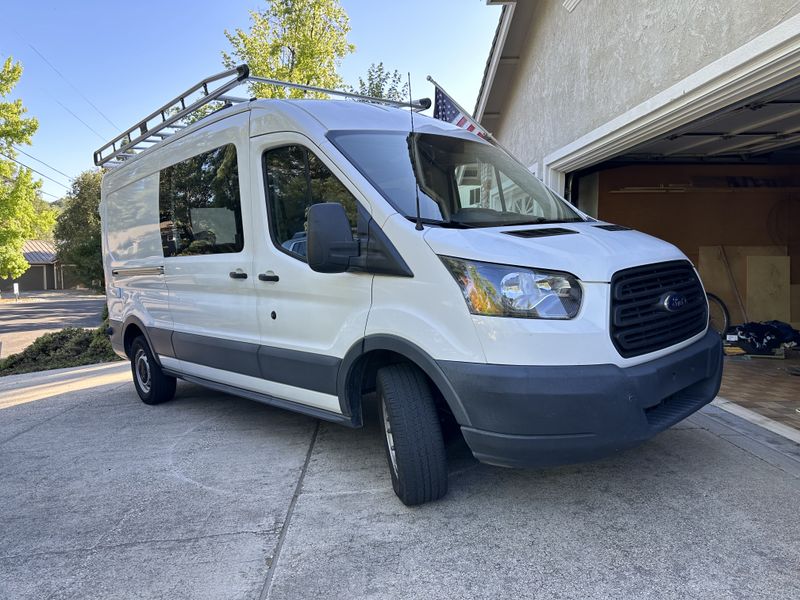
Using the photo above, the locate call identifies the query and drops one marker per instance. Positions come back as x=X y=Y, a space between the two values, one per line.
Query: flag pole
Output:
x=469 y=118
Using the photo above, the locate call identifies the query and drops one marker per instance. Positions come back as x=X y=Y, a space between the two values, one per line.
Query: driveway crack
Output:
x=267 y=587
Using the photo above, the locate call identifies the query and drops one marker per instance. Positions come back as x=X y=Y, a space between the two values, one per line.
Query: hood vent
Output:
x=613 y=227
x=536 y=233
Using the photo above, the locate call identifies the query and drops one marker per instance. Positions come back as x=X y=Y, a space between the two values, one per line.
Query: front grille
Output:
x=639 y=321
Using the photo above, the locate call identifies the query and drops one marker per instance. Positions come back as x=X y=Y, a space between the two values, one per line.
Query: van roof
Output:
x=348 y=114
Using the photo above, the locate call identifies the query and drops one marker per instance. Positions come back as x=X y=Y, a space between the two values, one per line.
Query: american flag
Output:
x=445 y=109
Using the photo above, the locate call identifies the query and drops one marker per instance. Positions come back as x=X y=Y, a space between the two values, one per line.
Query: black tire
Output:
x=410 y=423
x=152 y=385
x=719 y=319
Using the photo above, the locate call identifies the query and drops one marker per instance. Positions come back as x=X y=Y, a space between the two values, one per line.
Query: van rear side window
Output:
x=199 y=207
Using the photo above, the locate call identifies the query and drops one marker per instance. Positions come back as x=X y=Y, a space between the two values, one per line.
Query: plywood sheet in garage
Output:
x=717 y=280
x=768 y=288
x=707 y=205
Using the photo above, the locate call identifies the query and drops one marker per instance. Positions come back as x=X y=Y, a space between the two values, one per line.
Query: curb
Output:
x=790 y=433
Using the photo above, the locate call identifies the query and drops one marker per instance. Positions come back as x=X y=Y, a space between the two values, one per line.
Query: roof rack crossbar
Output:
x=126 y=140
x=125 y=145
x=417 y=105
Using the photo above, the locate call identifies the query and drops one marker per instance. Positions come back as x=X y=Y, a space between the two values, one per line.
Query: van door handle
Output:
x=237 y=275
x=268 y=277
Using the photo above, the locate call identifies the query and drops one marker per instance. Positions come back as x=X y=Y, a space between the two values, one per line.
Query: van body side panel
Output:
x=428 y=309
x=204 y=299
x=307 y=320
x=133 y=261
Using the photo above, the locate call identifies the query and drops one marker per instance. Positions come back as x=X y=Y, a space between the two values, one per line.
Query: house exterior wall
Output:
x=580 y=69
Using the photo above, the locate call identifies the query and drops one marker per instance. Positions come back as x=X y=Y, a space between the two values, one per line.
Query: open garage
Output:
x=697 y=143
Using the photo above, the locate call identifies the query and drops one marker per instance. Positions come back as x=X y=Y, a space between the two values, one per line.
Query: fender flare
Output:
x=164 y=345
x=407 y=349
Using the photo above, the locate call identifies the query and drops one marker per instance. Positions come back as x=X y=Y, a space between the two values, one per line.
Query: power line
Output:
x=35 y=171
x=54 y=99
x=89 y=127
x=49 y=194
x=18 y=149
x=80 y=93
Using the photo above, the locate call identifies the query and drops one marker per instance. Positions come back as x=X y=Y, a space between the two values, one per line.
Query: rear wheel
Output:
x=412 y=435
x=152 y=385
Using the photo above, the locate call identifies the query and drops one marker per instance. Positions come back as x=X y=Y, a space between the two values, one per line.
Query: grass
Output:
x=70 y=347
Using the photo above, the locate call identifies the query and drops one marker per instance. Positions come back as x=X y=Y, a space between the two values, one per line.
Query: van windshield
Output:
x=462 y=183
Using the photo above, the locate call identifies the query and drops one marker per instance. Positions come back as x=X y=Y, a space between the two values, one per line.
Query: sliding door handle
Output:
x=269 y=276
x=237 y=274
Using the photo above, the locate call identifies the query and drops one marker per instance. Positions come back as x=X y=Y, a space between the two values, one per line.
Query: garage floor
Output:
x=765 y=385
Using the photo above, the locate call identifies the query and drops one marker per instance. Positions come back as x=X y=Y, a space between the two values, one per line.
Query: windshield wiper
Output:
x=539 y=221
x=450 y=224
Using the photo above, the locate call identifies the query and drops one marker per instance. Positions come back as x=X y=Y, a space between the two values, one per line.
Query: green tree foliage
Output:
x=302 y=41
x=22 y=214
x=77 y=230
x=381 y=83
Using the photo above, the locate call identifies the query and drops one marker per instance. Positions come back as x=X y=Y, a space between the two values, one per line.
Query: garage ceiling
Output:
x=762 y=128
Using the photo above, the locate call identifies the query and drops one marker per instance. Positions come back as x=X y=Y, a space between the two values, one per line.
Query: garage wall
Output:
x=707 y=205
x=31 y=280
x=579 y=70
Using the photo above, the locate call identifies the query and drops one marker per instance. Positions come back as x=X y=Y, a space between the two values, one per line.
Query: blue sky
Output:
x=128 y=58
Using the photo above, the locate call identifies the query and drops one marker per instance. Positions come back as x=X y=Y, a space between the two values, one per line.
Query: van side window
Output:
x=199 y=207
x=296 y=179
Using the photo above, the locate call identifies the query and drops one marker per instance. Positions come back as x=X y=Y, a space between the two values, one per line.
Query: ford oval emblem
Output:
x=673 y=302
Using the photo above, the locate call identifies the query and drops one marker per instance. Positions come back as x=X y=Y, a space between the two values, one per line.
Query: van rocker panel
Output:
x=316 y=372
x=534 y=416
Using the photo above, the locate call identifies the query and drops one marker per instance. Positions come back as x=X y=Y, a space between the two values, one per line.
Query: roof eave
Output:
x=498 y=44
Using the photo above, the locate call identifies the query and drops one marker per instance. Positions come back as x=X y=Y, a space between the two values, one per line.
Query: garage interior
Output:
x=725 y=189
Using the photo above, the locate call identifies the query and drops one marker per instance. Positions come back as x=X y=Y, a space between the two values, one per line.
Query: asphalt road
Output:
x=210 y=496
x=22 y=322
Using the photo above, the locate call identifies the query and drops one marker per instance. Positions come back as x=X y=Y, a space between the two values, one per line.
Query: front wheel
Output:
x=152 y=385
x=412 y=434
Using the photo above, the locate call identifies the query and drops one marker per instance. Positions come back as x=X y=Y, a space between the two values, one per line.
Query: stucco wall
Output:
x=579 y=70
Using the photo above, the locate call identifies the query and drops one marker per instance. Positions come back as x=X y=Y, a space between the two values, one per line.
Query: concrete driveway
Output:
x=22 y=322
x=211 y=496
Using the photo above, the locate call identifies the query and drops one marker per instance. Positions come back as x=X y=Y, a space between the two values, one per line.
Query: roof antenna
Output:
x=414 y=150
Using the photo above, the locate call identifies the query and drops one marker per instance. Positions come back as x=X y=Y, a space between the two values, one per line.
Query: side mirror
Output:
x=330 y=239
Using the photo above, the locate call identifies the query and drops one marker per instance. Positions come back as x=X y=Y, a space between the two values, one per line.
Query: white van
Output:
x=304 y=253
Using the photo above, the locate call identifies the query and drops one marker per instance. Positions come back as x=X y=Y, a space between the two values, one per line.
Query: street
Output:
x=22 y=322
x=211 y=496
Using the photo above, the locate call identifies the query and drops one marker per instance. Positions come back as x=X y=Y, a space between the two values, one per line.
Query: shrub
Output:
x=70 y=347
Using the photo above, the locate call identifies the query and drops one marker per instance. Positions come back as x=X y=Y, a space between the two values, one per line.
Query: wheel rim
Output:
x=141 y=366
x=387 y=431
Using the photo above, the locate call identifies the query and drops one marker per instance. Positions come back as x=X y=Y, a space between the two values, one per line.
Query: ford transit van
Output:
x=306 y=253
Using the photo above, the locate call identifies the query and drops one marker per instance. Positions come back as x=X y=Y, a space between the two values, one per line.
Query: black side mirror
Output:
x=330 y=239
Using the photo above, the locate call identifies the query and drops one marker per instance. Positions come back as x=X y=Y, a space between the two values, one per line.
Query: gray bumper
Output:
x=528 y=416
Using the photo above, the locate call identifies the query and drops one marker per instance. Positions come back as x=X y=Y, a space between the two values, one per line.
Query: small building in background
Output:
x=45 y=272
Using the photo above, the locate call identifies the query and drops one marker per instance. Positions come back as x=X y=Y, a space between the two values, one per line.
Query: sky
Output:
x=92 y=69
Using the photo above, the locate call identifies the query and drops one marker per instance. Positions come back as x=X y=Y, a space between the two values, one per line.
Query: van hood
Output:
x=590 y=253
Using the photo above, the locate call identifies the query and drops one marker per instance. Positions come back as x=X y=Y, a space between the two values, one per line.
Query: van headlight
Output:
x=506 y=291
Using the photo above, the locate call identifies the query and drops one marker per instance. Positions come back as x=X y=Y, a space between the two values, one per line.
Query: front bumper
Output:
x=530 y=416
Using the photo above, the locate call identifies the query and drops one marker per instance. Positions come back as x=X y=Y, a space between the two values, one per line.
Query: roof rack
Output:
x=145 y=134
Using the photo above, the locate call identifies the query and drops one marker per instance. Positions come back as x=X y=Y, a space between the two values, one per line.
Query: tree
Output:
x=77 y=230
x=21 y=215
x=301 y=41
x=381 y=83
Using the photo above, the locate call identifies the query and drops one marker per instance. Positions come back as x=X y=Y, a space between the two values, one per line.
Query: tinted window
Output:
x=296 y=179
x=199 y=207
x=460 y=180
